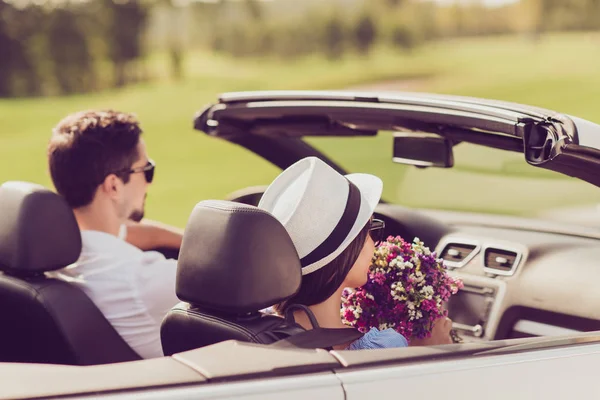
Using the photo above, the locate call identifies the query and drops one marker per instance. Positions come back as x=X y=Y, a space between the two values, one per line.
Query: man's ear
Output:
x=112 y=186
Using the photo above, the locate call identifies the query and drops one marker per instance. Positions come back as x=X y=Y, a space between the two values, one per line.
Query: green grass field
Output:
x=559 y=72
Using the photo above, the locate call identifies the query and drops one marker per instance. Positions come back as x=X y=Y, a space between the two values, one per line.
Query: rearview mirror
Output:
x=422 y=150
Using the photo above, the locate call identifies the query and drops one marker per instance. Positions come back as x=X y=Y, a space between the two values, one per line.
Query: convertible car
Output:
x=528 y=315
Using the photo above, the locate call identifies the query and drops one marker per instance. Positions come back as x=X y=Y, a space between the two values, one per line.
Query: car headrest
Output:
x=38 y=230
x=236 y=258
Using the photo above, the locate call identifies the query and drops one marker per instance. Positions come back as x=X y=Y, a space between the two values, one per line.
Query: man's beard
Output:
x=137 y=215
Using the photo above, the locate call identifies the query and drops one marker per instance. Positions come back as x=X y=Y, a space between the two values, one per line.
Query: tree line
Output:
x=400 y=24
x=52 y=48
x=71 y=47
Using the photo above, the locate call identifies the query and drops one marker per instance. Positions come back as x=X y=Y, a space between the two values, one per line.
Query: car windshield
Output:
x=483 y=180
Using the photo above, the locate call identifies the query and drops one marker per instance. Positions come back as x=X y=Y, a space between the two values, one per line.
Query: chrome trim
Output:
x=406 y=133
x=513 y=269
x=541 y=329
x=458 y=240
x=475 y=330
x=478 y=290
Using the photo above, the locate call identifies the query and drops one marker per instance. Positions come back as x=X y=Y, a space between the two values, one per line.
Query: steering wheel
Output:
x=168 y=252
x=250 y=195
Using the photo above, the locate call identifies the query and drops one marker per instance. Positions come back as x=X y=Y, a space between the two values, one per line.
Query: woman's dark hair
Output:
x=318 y=286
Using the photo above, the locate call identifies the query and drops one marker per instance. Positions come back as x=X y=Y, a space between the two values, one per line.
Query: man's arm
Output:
x=149 y=234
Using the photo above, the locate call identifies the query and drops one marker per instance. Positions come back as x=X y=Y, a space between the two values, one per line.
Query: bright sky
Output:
x=486 y=2
x=491 y=3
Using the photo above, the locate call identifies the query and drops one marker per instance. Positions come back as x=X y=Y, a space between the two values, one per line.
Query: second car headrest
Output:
x=236 y=258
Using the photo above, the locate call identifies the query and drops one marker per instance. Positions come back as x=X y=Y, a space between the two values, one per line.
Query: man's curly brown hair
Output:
x=86 y=147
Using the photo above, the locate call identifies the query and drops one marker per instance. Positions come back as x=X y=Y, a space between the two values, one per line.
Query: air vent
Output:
x=457 y=254
x=500 y=261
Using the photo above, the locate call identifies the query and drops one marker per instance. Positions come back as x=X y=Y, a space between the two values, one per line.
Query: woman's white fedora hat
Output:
x=322 y=210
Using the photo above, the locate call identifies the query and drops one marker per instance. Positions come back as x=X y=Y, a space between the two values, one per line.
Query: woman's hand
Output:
x=440 y=334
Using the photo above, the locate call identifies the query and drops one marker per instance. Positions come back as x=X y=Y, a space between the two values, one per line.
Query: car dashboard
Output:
x=522 y=277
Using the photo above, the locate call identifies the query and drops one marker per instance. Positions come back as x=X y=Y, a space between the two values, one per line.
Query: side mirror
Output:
x=422 y=150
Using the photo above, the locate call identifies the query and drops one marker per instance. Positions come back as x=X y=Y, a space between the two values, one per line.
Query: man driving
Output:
x=99 y=163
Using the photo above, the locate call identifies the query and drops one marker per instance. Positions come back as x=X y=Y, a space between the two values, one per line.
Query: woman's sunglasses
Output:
x=147 y=169
x=376 y=230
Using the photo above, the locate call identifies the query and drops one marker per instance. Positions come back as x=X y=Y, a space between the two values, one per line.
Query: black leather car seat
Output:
x=235 y=261
x=45 y=320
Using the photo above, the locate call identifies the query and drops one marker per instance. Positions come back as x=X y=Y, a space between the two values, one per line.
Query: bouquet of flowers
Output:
x=406 y=290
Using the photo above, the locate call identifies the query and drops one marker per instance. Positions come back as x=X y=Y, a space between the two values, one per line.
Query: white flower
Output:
x=418 y=276
x=412 y=314
x=399 y=297
x=427 y=292
x=397 y=291
x=357 y=311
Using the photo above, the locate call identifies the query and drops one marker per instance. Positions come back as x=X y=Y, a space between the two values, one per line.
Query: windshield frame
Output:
x=262 y=121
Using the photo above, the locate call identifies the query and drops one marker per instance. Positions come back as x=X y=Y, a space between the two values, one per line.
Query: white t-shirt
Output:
x=134 y=289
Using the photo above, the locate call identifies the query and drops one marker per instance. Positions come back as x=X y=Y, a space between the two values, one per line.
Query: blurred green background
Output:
x=165 y=60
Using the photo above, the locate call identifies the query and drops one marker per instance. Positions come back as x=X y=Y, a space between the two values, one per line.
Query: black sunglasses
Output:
x=147 y=169
x=376 y=230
